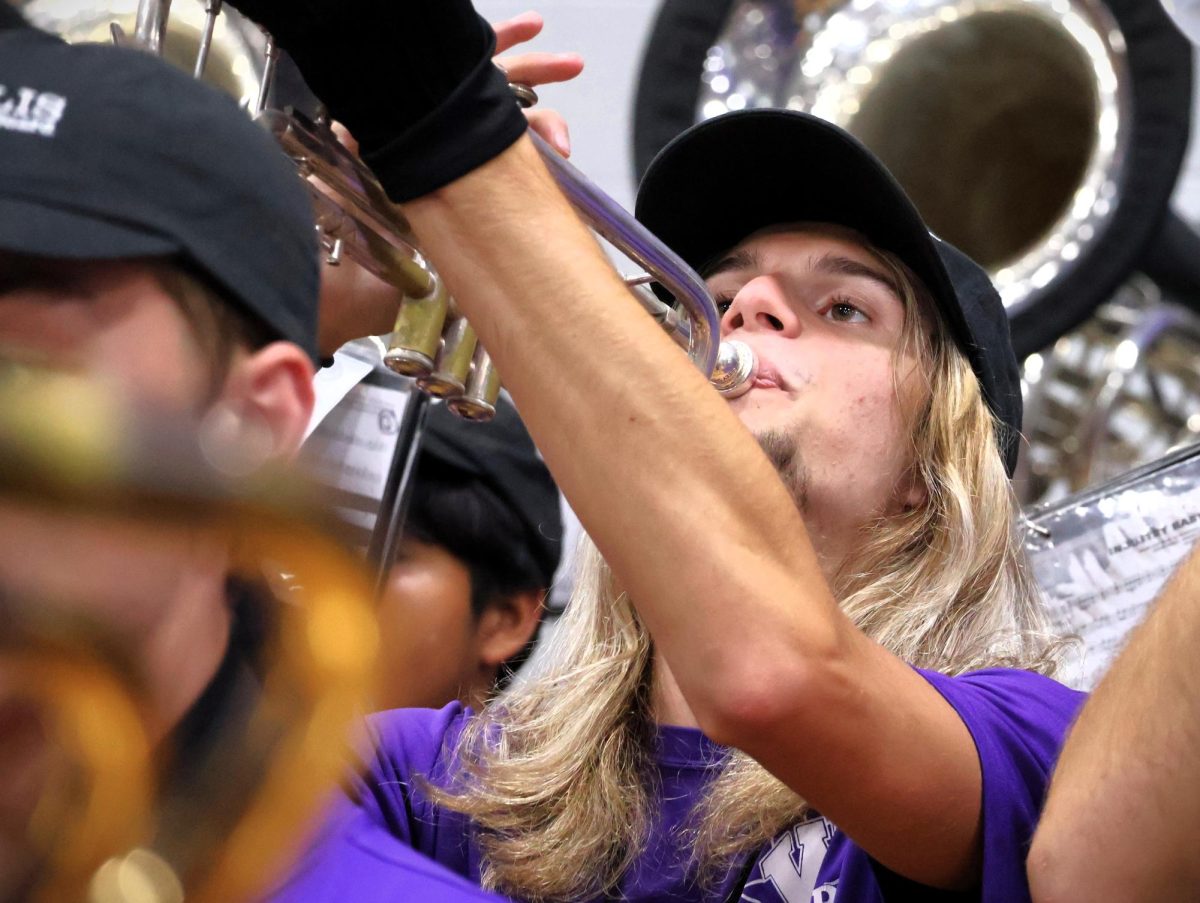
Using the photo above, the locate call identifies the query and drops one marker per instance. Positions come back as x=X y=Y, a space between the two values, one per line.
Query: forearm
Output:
x=1124 y=806
x=670 y=485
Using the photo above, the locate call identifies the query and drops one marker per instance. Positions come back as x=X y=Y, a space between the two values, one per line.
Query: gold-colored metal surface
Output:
x=234 y=60
x=264 y=778
x=91 y=713
x=453 y=365
x=417 y=334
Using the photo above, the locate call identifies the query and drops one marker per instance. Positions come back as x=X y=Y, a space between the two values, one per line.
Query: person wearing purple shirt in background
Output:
x=809 y=663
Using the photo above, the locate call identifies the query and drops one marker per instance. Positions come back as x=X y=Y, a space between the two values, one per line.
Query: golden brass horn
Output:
x=67 y=449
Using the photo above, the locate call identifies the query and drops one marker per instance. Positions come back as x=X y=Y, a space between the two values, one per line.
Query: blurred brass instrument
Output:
x=431 y=341
x=1120 y=391
x=105 y=832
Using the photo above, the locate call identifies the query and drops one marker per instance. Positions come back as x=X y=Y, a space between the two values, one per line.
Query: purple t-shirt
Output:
x=1017 y=719
x=354 y=858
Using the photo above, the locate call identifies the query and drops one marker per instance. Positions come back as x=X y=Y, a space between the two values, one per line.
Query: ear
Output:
x=273 y=387
x=912 y=492
x=506 y=625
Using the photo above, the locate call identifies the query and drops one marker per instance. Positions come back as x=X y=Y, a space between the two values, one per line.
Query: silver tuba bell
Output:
x=1043 y=137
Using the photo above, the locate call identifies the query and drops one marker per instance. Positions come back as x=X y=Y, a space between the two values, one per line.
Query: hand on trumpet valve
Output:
x=355 y=302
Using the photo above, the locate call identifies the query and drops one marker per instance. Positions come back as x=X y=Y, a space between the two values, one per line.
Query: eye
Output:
x=723 y=303
x=842 y=310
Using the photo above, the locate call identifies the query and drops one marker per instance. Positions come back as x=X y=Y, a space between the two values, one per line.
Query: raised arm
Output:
x=1123 y=814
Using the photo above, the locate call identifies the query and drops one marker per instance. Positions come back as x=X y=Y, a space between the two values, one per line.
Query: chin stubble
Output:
x=783 y=452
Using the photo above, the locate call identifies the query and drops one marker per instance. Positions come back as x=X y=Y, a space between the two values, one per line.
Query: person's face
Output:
x=111 y=320
x=430 y=650
x=836 y=388
x=113 y=323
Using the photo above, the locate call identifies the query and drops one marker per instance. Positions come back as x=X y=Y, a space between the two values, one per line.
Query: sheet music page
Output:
x=1106 y=560
x=333 y=383
x=350 y=451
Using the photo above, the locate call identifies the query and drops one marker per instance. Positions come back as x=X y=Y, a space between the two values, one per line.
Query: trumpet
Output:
x=431 y=341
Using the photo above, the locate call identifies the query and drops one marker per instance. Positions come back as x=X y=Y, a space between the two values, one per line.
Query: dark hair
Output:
x=462 y=514
x=219 y=324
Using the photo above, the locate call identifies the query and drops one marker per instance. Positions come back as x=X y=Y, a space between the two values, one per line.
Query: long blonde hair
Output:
x=554 y=772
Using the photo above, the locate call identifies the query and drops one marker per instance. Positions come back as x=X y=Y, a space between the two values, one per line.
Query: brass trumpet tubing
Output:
x=316 y=149
x=351 y=206
x=367 y=248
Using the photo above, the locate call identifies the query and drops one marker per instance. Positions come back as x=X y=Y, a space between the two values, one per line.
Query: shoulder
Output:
x=1022 y=702
x=420 y=739
x=358 y=859
x=407 y=747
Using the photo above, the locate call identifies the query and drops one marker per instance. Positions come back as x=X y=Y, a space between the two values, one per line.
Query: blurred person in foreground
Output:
x=155 y=240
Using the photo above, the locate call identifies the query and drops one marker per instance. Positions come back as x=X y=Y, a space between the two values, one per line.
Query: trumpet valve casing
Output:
x=478 y=402
x=452 y=368
x=418 y=333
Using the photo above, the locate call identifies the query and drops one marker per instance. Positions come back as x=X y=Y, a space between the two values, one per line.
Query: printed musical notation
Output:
x=1107 y=556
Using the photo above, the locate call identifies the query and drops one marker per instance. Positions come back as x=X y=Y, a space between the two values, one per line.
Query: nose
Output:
x=760 y=306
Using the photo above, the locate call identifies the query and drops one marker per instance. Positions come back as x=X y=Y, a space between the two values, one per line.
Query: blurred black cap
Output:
x=109 y=152
x=10 y=18
x=501 y=455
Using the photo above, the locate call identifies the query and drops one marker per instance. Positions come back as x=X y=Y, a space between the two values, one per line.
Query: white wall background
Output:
x=599 y=104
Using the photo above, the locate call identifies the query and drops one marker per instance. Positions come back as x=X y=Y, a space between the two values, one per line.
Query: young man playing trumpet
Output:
x=805 y=659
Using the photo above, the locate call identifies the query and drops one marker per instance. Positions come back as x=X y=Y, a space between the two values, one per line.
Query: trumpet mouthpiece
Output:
x=735 y=369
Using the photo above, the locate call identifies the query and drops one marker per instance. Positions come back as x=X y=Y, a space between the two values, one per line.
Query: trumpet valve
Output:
x=418 y=333
x=478 y=402
x=452 y=368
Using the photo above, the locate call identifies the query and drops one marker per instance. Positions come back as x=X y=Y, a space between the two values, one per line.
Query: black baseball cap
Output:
x=728 y=177
x=10 y=18
x=501 y=455
x=109 y=152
